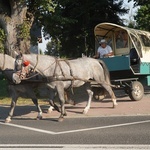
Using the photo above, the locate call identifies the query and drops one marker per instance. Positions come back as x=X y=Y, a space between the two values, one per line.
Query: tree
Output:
x=17 y=18
x=73 y=23
x=2 y=40
x=53 y=48
x=140 y=2
x=143 y=18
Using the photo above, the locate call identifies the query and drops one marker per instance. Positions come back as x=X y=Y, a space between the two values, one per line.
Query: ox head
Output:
x=18 y=62
x=16 y=78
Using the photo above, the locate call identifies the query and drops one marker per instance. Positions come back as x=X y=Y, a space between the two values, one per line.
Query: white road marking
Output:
x=73 y=131
x=103 y=127
x=72 y=147
x=28 y=128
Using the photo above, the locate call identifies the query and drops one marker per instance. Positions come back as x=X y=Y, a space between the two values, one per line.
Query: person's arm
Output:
x=97 y=55
x=109 y=54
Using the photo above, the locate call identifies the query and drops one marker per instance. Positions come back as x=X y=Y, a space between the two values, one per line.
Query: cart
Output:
x=130 y=66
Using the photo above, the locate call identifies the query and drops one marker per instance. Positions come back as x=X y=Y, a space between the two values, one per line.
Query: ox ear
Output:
x=14 y=54
x=19 y=56
x=16 y=79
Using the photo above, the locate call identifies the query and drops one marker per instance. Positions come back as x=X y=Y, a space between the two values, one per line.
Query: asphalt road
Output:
x=126 y=127
x=95 y=130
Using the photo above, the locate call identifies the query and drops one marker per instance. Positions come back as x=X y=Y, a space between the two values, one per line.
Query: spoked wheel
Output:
x=136 y=92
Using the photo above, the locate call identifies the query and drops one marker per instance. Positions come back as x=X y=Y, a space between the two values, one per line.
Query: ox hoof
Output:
x=65 y=114
x=50 y=110
x=7 y=120
x=39 y=118
x=74 y=103
x=61 y=119
x=71 y=102
x=115 y=105
x=85 y=111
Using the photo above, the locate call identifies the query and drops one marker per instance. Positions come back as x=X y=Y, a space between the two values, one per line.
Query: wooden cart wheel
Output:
x=136 y=92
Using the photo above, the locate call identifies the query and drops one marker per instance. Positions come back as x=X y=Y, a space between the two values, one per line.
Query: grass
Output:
x=3 y=89
x=5 y=99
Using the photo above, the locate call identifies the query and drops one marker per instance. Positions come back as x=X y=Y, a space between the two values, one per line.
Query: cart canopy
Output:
x=123 y=39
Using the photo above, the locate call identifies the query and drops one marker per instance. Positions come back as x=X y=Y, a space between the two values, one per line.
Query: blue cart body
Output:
x=123 y=41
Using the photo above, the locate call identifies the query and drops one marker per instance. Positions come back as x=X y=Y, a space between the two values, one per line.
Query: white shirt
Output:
x=103 y=51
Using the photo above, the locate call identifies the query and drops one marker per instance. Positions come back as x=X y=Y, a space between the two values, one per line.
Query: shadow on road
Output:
x=80 y=97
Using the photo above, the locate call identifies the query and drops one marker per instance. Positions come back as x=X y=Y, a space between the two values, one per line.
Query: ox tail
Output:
x=106 y=71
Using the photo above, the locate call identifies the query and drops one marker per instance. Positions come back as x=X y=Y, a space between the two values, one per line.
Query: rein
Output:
x=37 y=57
x=29 y=73
x=34 y=68
x=71 y=77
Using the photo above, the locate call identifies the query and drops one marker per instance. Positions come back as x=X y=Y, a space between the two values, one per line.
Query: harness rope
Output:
x=37 y=57
x=71 y=78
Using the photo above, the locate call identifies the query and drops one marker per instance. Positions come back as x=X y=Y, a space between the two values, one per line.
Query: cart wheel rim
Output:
x=137 y=90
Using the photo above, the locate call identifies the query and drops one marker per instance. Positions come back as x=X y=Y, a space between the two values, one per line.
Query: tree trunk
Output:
x=15 y=41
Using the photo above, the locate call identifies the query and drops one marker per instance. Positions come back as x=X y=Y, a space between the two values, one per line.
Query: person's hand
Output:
x=105 y=55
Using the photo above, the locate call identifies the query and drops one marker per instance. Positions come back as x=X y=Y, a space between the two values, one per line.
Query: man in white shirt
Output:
x=104 y=50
